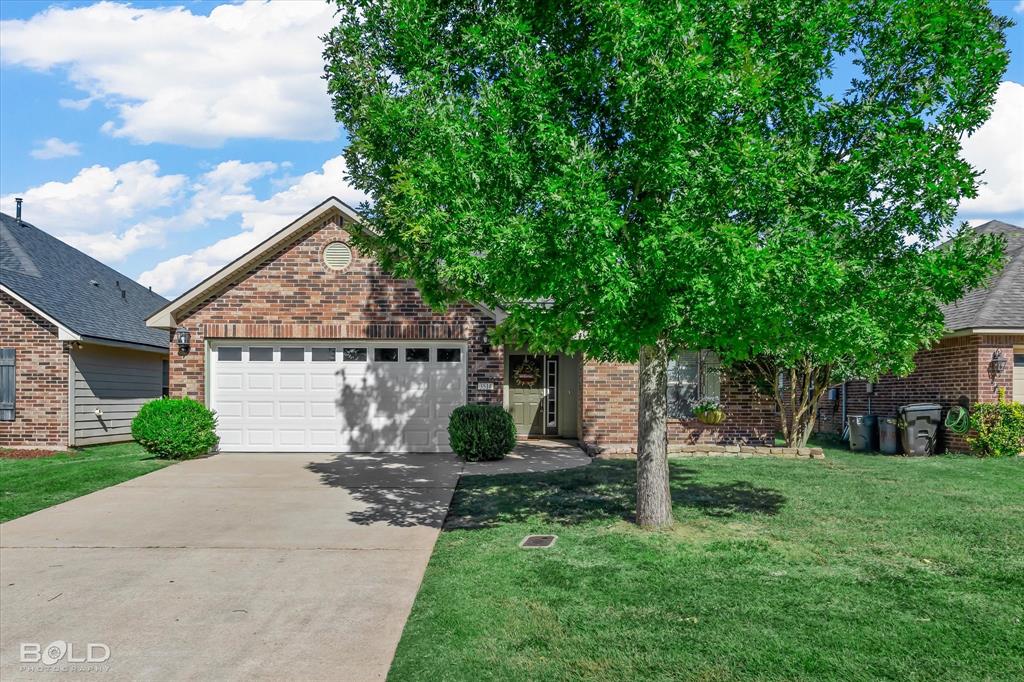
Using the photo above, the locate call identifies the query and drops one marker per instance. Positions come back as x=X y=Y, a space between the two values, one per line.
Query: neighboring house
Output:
x=305 y=344
x=982 y=351
x=76 y=358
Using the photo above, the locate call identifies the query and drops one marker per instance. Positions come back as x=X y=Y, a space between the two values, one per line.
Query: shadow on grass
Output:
x=604 y=490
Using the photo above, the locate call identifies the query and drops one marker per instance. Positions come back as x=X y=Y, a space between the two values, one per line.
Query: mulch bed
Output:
x=6 y=453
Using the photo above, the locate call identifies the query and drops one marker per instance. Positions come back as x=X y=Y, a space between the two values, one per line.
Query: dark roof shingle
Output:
x=77 y=290
x=1000 y=303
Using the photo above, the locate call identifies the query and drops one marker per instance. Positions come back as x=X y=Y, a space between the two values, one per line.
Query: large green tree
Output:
x=628 y=178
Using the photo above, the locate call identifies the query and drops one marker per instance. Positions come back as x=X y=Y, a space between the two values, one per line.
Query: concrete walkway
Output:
x=237 y=566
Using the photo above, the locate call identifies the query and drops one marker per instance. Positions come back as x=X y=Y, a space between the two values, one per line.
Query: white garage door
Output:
x=335 y=396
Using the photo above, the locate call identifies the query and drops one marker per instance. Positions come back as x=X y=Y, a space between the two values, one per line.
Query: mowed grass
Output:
x=858 y=567
x=28 y=485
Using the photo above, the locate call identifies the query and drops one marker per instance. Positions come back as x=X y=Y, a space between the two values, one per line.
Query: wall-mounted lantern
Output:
x=182 y=336
x=484 y=339
x=997 y=365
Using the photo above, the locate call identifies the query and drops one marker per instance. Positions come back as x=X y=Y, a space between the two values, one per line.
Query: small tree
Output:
x=627 y=179
x=830 y=307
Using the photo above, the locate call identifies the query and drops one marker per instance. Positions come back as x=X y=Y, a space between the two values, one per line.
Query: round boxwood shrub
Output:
x=481 y=432
x=175 y=428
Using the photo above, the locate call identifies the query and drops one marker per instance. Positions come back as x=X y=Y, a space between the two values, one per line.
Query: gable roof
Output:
x=1000 y=303
x=82 y=296
x=167 y=316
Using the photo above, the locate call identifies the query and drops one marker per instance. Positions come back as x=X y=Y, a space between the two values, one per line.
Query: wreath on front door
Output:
x=527 y=374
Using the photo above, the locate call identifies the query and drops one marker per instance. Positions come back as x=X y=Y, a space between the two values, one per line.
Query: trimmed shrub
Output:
x=481 y=432
x=997 y=429
x=175 y=428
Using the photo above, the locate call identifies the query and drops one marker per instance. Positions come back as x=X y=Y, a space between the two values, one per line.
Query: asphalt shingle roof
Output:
x=78 y=291
x=1000 y=303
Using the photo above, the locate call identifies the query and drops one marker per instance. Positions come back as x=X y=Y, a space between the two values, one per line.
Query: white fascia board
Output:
x=984 y=330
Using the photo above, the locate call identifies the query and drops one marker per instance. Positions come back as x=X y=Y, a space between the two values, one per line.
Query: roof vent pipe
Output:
x=17 y=210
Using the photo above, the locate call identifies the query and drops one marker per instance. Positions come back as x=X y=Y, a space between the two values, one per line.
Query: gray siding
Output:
x=116 y=381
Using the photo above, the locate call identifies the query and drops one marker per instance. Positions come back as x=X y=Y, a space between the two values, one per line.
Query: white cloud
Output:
x=997 y=148
x=259 y=219
x=250 y=70
x=99 y=196
x=55 y=148
x=106 y=212
x=76 y=104
x=1020 y=7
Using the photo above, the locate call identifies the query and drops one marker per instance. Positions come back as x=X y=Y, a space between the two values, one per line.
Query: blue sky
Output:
x=166 y=138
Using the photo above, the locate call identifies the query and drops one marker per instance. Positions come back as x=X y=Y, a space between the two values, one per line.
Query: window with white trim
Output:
x=692 y=376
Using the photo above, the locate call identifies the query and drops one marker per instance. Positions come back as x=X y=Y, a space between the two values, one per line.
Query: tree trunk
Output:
x=653 y=498
x=798 y=400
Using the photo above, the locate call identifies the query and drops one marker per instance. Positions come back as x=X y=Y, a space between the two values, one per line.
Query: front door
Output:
x=527 y=393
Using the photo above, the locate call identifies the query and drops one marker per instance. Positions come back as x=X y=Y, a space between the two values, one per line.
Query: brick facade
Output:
x=608 y=412
x=953 y=372
x=293 y=295
x=41 y=378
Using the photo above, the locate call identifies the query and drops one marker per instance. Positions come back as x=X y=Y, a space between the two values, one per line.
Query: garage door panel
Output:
x=261 y=409
x=291 y=437
x=323 y=382
x=421 y=410
x=323 y=438
x=416 y=437
x=293 y=381
x=229 y=409
x=289 y=409
x=259 y=381
x=229 y=438
x=322 y=409
x=228 y=381
x=359 y=405
x=263 y=438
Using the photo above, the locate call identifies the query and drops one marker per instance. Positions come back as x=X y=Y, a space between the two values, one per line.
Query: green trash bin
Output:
x=863 y=433
x=889 y=435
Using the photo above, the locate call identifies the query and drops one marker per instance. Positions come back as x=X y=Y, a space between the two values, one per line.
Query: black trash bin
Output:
x=920 y=427
x=889 y=435
x=863 y=433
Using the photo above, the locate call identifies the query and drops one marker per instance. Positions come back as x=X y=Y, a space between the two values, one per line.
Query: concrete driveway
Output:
x=231 y=567
x=237 y=566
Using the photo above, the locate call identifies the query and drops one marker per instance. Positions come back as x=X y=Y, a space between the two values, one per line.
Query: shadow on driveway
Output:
x=401 y=490
x=407 y=490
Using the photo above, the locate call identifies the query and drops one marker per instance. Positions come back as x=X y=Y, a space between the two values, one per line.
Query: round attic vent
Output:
x=337 y=255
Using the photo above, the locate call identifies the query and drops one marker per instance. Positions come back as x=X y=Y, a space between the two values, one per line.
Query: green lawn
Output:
x=28 y=485
x=858 y=567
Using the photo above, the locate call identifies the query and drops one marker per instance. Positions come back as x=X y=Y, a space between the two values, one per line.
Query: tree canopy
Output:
x=688 y=170
x=767 y=178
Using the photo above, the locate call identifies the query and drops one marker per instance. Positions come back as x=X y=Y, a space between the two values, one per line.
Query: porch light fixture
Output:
x=182 y=336
x=998 y=364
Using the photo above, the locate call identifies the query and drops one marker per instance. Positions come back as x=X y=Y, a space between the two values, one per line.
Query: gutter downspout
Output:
x=842 y=430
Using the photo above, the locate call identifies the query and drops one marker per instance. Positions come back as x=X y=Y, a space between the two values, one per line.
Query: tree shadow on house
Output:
x=604 y=490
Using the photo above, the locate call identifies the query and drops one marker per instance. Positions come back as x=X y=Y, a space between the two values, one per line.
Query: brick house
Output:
x=982 y=352
x=305 y=344
x=76 y=358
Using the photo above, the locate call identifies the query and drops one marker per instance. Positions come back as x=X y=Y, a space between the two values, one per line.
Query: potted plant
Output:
x=709 y=411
